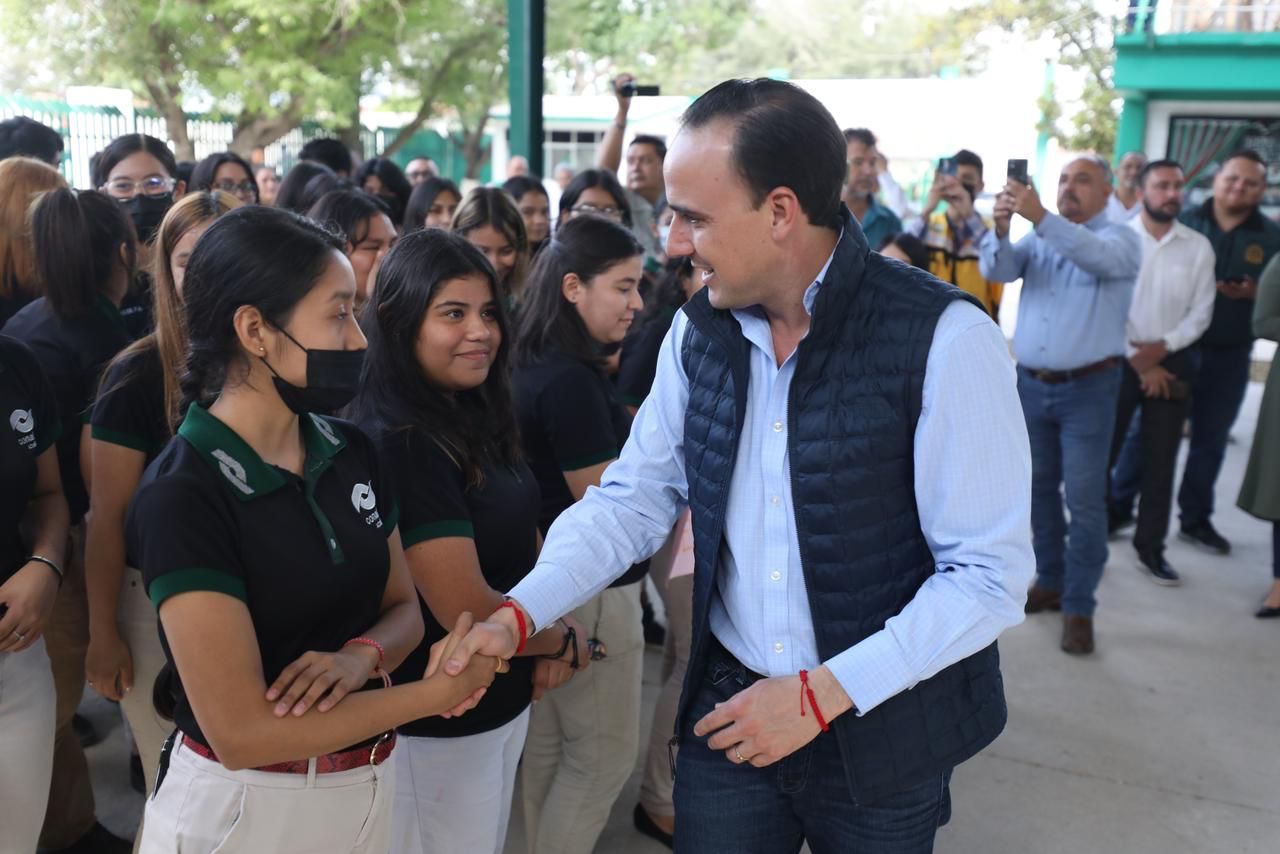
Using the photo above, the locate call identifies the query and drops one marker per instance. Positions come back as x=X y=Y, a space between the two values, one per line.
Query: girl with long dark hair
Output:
x=490 y=221
x=228 y=172
x=133 y=418
x=382 y=178
x=366 y=224
x=85 y=258
x=432 y=204
x=436 y=397
x=580 y=300
x=268 y=538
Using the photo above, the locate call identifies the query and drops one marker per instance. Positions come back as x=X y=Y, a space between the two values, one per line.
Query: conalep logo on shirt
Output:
x=233 y=471
x=23 y=423
x=362 y=499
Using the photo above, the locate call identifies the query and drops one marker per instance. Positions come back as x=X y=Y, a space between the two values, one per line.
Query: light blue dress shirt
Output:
x=973 y=491
x=1077 y=283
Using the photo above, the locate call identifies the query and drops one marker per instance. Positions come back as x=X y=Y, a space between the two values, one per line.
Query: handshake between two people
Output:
x=475 y=653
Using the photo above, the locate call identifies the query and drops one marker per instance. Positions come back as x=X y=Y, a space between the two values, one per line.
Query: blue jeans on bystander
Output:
x=1070 y=426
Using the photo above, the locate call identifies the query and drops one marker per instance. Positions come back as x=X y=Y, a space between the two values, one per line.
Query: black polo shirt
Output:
x=129 y=410
x=570 y=419
x=501 y=516
x=638 y=366
x=307 y=555
x=27 y=403
x=73 y=354
x=1243 y=251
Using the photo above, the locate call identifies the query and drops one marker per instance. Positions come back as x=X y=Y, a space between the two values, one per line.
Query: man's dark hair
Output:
x=24 y=137
x=862 y=135
x=1247 y=154
x=659 y=145
x=783 y=137
x=331 y=152
x=1153 y=165
x=965 y=157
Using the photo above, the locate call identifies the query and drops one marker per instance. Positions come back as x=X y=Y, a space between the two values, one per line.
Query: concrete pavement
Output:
x=1163 y=742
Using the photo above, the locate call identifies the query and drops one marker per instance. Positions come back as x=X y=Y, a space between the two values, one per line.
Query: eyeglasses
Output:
x=127 y=188
x=609 y=211
x=248 y=189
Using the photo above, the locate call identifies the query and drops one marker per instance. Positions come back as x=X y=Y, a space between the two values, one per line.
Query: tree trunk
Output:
x=254 y=129
x=174 y=117
x=474 y=152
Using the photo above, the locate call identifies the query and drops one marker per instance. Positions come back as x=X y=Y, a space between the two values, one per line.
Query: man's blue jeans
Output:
x=725 y=808
x=1070 y=425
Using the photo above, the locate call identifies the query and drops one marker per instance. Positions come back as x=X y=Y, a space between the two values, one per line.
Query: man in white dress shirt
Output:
x=1171 y=309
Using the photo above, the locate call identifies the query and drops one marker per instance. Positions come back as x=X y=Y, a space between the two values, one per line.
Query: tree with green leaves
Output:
x=1083 y=35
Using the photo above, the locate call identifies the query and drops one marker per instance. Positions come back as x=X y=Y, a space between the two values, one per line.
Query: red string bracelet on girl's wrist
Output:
x=524 y=631
x=382 y=657
x=806 y=691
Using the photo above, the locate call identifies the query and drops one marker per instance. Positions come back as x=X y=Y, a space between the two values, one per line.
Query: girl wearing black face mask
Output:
x=140 y=173
x=267 y=537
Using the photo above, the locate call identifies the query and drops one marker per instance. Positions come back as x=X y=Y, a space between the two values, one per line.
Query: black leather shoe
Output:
x=646 y=825
x=1203 y=534
x=1117 y=522
x=1158 y=568
x=1266 y=612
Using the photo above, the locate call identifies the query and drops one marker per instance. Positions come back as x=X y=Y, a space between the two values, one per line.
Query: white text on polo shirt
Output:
x=362 y=498
x=24 y=425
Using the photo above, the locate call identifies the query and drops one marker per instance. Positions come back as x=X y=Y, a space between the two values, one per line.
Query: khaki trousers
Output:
x=26 y=746
x=70 y=812
x=585 y=735
x=140 y=629
x=201 y=808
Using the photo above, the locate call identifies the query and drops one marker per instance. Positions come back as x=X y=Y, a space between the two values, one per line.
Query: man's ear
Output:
x=784 y=209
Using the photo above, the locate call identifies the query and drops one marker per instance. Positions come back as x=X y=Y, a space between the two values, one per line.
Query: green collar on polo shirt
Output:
x=247 y=475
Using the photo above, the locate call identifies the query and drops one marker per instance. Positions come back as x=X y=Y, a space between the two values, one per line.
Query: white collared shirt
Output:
x=1117 y=212
x=1173 y=301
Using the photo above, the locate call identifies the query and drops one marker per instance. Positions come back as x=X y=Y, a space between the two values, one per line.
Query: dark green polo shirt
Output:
x=308 y=555
x=1243 y=251
x=28 y=406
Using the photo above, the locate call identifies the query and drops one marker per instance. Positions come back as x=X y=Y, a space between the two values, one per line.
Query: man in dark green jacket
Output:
x=1244 y=241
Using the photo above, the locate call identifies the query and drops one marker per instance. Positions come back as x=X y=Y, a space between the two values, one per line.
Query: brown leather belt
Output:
x=1059 y=377
x=330 y=763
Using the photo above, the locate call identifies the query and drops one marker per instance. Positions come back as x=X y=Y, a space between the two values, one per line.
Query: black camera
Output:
x=631 y=90
x=948 y=166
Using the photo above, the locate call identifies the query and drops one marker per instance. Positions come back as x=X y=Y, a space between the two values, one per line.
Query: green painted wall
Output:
x=1213 y=66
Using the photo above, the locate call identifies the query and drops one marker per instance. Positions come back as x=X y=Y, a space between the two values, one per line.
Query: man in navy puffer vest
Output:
x=847 y=433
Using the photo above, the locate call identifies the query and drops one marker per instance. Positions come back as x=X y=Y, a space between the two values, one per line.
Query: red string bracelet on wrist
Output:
x=382 y=656
x=524 y=631
x=806 y=691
